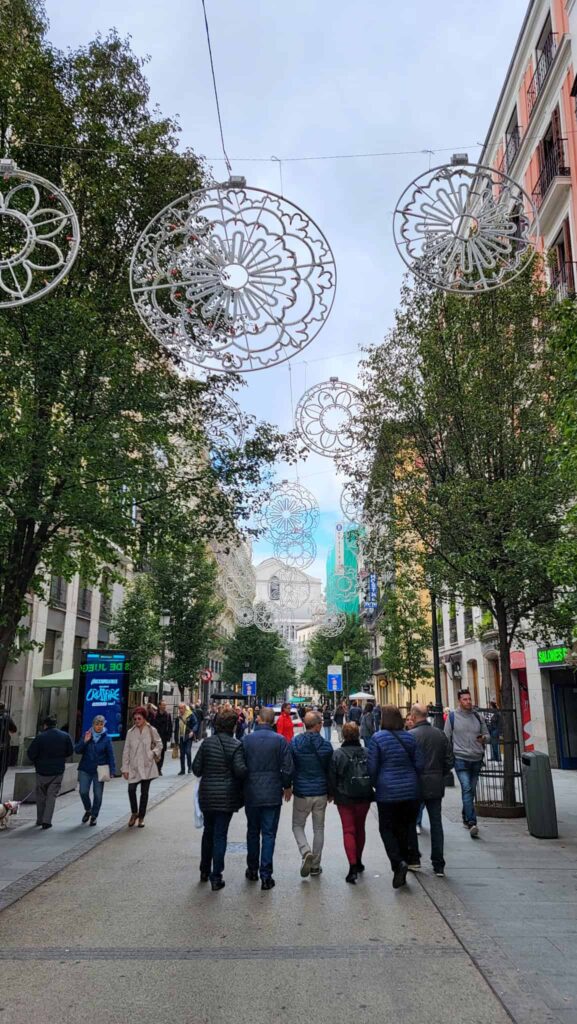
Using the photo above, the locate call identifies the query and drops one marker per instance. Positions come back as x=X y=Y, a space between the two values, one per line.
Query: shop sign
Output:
x=552 y=655
x=103 y=690
x=518 y=660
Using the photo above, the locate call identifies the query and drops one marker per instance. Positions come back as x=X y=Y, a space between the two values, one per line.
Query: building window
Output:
x=105 y=599
x=84 y=605
x=562 y=268
x=512 y=143
x=453 y=621
x=58 y=591
x=440 y=627
x=52 y=660
x=468 y=622
x=544 y=56
x=274 y=588
x=552 y=159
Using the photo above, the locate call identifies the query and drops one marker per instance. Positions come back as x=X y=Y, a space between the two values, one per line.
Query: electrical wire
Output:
x=226 y=159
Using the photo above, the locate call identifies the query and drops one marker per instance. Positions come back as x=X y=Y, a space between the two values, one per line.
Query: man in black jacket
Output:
x=163 y=726
x=48 y=753
x=270 y=768
x=438 y=763
x=7 y=728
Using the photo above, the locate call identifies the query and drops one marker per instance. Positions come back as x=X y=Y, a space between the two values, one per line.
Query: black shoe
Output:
x=400 y=875
x=160 y=771
x=93 y=821
x=46 y=826
x=204 y=876
x=182 y=773
x=189 y=771
x=359 y=867
x=251 y=875
x=37 y=824
x=352 y=875
x=217 y=884
x=85 y=817
x=267 y=883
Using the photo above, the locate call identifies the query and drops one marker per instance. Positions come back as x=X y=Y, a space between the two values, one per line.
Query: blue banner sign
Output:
x=249 y=684
x=104 y=681
x=334 y=678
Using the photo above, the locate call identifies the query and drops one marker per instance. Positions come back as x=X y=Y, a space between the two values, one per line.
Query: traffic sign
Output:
x=249 y=684
x=334 y=678
x=206 y=676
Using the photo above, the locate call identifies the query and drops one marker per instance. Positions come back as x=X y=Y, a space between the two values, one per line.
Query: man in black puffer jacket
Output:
x=270 y=768
x=221 y=766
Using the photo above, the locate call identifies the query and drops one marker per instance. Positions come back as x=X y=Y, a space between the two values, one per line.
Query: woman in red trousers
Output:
x=351 y=789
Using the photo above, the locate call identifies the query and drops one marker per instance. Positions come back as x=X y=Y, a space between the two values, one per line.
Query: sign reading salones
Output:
x=552 y=655
x=103 y=690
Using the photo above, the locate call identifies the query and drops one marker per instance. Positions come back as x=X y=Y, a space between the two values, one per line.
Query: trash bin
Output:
x=539 y=795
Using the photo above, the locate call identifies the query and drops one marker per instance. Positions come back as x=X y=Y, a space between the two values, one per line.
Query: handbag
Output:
x=175 y=752
x=155 y=756
x=103 y=772
x=198 y=815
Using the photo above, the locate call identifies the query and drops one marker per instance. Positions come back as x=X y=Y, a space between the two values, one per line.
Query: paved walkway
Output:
x=118 y=927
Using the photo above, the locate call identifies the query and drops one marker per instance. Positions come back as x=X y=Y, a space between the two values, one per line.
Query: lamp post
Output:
x=346 y=659
x=164 y=623
x=436 y=666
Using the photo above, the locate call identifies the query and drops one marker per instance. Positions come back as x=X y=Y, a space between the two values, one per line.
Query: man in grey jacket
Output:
x=438 y=758
x=467 y=732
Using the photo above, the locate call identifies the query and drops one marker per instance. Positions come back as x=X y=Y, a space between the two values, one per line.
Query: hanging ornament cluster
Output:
x=233 y=278
x=465 y=228
x=325 y=417
x=224 y=426
x=351 y=504
x=288 y=519
x=39 y=236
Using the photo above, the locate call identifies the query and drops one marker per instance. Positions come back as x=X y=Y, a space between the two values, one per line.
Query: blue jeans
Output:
x=213 y=847
x=85 y=781
x=468 y=773
x=262 y=825
x=495 y=750
x=185 y=748
x=327 y=732
x=433 y=806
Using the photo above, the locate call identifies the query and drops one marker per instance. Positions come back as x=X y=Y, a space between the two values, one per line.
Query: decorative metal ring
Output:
x=351 y=506
x=244 y=616
x=291 y=510
x=325 y=415
x=233 y=278
x=40 y=236
x=333 y=623
x=298 y=550
x=465 y=228
x=224 y=427
x=265 y=617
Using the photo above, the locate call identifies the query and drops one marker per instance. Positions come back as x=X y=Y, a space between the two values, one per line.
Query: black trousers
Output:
x=396 y=822
x=160 y=761
x=140 y=807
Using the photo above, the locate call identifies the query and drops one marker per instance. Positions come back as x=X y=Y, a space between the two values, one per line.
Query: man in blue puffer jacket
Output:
x=312 y=757
x=395 y=763
x=270 y=768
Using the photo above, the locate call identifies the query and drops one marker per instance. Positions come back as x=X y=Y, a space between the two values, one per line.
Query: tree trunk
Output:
x=507 y=706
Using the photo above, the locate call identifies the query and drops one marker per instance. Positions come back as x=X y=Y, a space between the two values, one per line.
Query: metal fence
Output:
x=500 y=788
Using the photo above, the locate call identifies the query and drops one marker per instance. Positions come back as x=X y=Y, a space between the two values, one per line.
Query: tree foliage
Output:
x=135 y=627
x=405 y=631
x=325 y=650
x=251 y=650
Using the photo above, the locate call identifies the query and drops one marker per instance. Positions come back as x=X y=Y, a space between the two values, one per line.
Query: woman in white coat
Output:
x=142 y=751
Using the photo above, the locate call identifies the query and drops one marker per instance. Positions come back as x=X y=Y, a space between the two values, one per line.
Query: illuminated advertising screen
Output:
x=104 y=681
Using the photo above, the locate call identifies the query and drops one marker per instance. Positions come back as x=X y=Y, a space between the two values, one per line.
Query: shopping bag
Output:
x=175 y=752
x=198 y=815
x=103 y=773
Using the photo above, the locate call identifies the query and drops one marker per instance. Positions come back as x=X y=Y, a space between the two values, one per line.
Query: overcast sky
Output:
x=319 y=78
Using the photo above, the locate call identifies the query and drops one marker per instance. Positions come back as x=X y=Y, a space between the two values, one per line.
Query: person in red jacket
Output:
x=284 y=724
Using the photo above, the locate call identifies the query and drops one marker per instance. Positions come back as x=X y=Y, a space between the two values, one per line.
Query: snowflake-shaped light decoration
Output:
x=224 y=426
x=298 y=550
x=233 y=278
x=265 y=617
x=345 y=585
x=294 y=587
x=39 y=236
x=290 y=511
x=333 y=623
x=244 y=616
x=325 y=416
x=351 y=504
x=465 y=228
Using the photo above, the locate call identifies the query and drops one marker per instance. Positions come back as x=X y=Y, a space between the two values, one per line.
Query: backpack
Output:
x=356 y=781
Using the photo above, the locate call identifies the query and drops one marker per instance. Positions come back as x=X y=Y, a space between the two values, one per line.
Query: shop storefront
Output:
x=563 y=681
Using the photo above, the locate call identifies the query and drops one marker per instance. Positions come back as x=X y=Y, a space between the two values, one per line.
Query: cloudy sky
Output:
x=322 y=78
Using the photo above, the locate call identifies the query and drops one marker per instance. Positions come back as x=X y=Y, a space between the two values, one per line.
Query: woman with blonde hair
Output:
x=142 y=751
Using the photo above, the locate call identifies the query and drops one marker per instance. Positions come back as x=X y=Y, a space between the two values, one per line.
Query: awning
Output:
x=63 y=678
x=144 y=688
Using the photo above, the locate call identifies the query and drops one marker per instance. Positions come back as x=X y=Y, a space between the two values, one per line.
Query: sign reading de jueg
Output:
x=104 y=679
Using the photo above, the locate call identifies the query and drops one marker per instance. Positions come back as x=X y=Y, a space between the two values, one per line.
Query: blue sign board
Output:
x=249 y=684
x=104 y=680
x=334 y=678
x=372 y=593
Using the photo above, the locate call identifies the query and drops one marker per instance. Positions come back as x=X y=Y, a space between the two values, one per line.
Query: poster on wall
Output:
x=103 y=690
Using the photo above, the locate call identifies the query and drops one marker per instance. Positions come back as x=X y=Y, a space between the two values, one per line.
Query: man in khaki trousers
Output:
x=311 y=756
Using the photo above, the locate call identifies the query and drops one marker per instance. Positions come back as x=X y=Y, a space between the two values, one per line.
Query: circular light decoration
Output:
x=290 y=511
x=244 y=616
x=345 y=585
x=351 y=505
x=298 y=550
x=39 y=236
x=333 y=623
x=233 y=278
x=465 y=228
x=325 y=415
x=265 y=617
x=294 y=587
x=224 y=427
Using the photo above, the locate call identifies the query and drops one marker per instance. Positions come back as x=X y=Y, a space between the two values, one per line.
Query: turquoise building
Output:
x=342 y=590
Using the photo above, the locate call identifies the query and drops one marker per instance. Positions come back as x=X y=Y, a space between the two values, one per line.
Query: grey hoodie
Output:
x=468 y=725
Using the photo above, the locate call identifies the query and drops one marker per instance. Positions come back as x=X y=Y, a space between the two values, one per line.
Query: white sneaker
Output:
x=474 y=832
x=418 y=830
x=306 y=865
x=440 y=874
x=414 y=867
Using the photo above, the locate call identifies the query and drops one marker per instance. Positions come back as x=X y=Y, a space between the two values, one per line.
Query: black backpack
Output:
x=356 y=781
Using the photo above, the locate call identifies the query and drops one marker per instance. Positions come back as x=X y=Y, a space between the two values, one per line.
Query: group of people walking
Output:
x=402 y=767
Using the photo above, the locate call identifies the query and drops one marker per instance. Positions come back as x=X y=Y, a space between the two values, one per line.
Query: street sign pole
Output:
x=334 y=681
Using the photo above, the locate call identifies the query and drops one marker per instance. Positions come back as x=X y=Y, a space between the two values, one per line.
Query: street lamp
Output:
x=164 y=623
x=346 y=659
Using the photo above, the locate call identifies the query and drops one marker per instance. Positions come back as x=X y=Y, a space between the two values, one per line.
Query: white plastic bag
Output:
x=198 y=815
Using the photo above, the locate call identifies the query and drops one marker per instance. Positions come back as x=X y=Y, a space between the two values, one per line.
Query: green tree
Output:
x=251 y=650
x=405 y=632
x=102 y=442
x=135 y=627
x=328 y=650
x=459 y=404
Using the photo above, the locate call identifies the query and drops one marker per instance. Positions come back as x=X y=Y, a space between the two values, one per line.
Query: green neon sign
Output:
x=552 y=655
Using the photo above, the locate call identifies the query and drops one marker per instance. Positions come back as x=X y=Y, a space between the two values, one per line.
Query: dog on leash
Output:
x=6 y=809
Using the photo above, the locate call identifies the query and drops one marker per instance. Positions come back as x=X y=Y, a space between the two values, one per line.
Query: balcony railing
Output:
x=546 y=58
x=58 y=591
x=84 y=605
x=554 y=166
x=511 y=150
x=563 y=278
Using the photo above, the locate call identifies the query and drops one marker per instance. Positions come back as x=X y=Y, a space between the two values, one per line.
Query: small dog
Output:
x=6 y=809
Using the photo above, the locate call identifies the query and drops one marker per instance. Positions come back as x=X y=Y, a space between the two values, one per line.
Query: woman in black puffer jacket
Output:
x=221 y=766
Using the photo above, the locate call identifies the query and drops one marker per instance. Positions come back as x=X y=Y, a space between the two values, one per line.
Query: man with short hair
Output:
x=7 y=729
x=467 y=732
x=367 y=726
x=438 y=761
x=270 y=769
x=48 y=752
x=355 y=713
x=183 y=734
x=163 y=726
x=312 y=757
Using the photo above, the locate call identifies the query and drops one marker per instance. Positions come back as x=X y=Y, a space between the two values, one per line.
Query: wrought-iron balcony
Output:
x=554 y=166
x=563 y=278
x=546 y=58
x=510 y=151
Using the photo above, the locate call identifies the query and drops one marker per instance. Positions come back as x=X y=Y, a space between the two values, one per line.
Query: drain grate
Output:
x=380 y=949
